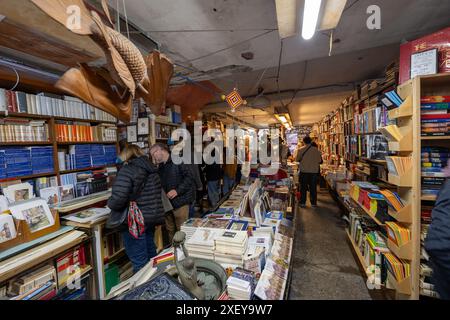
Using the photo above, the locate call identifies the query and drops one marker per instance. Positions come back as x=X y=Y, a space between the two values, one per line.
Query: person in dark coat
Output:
x=437 y=243
x=138 y=180
x=178 y=183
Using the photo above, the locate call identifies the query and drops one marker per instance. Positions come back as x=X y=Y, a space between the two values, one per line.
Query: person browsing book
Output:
x=178 y=183
x=309 y=159
x=138 y=181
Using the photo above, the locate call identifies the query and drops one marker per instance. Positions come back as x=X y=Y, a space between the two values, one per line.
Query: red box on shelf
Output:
x=439 y=40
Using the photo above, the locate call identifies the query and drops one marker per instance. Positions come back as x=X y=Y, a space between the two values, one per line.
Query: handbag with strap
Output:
x=117 y=218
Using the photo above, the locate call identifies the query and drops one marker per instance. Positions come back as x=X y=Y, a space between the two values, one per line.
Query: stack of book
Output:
x=392 y=72
x=241 y=284
x=22 y=130
x=190 y=225
x=49 y=105
x=282 y=248
x=230 y=247
x=36 y=285
x=435 y=117
x=271 y=285
x=393 y=200
x=201 y=244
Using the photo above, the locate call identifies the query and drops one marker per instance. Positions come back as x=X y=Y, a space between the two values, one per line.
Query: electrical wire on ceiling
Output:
x=126 y=18
x=278 y=72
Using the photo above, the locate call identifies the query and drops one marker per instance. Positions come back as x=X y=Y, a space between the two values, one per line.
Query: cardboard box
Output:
x=439 y=40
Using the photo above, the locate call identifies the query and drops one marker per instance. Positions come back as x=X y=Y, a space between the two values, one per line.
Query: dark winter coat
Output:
x=437 y=242
x=139 y=174
x=178 y=178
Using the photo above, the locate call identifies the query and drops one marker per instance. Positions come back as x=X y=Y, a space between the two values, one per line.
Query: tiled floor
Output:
x=324 y=266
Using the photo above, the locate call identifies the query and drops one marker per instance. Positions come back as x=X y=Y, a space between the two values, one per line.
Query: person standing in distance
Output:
x=309 y=159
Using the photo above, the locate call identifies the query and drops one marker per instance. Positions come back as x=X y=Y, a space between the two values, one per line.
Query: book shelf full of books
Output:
x=391 y=192
x=60 y=154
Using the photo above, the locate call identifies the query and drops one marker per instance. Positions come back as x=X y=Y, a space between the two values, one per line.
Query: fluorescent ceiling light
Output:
x=287 y=17
x=332 y=14
x=310 y=17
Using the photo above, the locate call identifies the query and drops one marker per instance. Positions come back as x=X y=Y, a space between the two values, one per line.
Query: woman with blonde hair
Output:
x=138 y=187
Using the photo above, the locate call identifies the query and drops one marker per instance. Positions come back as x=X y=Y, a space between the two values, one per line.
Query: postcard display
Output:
x=389 y=194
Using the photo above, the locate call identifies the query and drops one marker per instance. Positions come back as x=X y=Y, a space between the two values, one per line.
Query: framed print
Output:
x=131 y=134
x=18 y=192
x=424 y=63
x=35 y=213
x=51 y=195
x=7 y=228
x=66 y=192
x=143 y=126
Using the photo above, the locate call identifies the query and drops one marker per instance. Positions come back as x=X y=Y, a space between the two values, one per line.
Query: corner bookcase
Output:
x=408 y=117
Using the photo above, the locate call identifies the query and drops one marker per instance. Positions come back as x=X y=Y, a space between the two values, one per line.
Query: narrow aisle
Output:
x=324 y=266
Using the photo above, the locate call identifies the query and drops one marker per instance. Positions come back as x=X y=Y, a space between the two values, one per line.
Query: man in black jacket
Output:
x=437 y=243
x=178 y=183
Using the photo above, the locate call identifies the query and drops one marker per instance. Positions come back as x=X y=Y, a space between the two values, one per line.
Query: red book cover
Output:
x=435 y=99
x=435 y=116
x=49 y=295
x=82 y=256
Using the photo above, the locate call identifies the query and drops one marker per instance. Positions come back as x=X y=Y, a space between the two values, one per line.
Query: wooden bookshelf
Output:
x=435 y=138
x=369 y=213
x=85 y=169
x=47 y=117
x=86 y=142
x=27 y=143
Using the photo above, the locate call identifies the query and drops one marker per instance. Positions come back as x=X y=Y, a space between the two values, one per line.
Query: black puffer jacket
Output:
x=179 y=178
x=437 y=242
x=139 y=174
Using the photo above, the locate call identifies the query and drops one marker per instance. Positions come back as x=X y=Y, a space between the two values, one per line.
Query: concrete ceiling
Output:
x=206 y=38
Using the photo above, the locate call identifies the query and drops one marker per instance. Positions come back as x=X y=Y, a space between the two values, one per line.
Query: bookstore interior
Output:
x=348 y=100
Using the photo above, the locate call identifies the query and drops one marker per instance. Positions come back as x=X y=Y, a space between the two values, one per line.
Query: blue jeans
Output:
x=214 y=192
x=140 y=250
x=228 y=183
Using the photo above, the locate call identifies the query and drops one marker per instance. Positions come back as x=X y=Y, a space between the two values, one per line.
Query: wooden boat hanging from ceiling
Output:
x=126 y=75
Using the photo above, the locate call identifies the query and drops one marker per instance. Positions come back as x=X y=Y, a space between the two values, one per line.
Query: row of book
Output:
x=399 y=166
x=86 y=156
x=374 y=146
x=434 y=160
x=112 y=244
x=21 y=130
x=50 y=105
x=85 y=183
x=49 y=281
x=24 y=161
x=84 y=132
x=435 y=119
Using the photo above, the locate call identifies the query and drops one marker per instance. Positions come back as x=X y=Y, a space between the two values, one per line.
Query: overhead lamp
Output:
x=288 y=12
x=310 y=17
x=283 y=119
